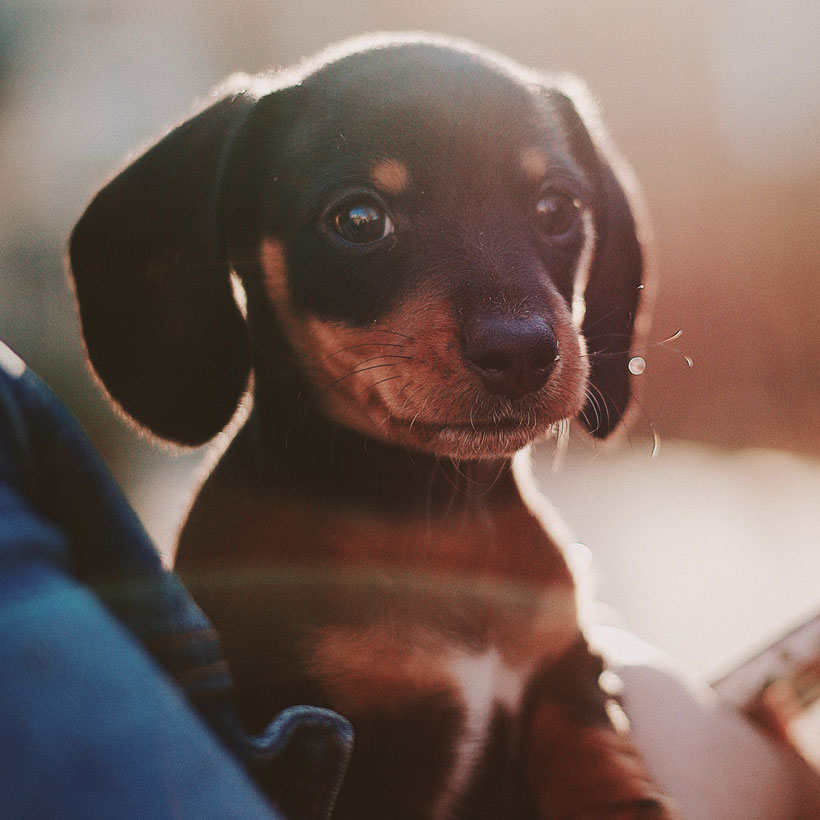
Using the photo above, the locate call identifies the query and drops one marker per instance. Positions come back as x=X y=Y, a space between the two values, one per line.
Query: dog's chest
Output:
x=430 y=665
x=425 y=632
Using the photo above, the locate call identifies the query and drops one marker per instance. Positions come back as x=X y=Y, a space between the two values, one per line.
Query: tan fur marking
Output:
x=272 y=256
x=435 y=637
x=535 y=163
x=378 y=667
x=390 y=176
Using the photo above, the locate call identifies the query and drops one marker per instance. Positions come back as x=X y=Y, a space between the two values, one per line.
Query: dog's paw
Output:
x=589 y=773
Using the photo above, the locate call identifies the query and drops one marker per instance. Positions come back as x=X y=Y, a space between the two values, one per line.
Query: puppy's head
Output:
x=434 y=248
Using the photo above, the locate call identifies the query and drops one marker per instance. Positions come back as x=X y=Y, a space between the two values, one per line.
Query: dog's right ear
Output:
x=615 y=292
x=152 y=278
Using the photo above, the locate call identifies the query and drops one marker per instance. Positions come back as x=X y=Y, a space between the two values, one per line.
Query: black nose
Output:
x=514 y=356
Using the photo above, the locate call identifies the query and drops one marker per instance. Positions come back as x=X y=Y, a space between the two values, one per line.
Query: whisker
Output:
x=690 y=362
x=665 y=344
x=392 y=333
x=453 y=485
x=656 y=438
x=642 y=351
x=502 y=467
x=384 y=356
x=382 y=381
x=656 y=441
x=559 y=455
x=594 y=400
x=673 y=338
x=603 y=318
x=611 y=312
x=360 y=345
x=376 y=384
x=475 y=489
x=338 y=381
x=595 y=406
x=603 y=354
x=605 y=402
x=460 y=472
x=420 y=411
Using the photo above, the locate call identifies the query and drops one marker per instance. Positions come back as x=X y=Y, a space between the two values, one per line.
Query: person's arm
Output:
x=93 y=633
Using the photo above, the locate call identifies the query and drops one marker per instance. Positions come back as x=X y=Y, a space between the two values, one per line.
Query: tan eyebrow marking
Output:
x=535 y=163
x=390 y=175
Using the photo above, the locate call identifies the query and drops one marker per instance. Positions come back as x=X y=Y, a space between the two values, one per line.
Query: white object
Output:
x=702 y=752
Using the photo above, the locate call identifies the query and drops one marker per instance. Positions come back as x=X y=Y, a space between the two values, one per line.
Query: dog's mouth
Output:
x=461 y=419
x=475 y=438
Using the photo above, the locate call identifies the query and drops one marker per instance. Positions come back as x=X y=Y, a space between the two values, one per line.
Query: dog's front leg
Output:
x=579 y=761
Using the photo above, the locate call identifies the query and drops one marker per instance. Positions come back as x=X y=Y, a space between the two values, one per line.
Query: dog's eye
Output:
x=557 y=213
x=361 y=222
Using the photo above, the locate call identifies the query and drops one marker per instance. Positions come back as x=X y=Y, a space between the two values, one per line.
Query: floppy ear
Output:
x=614 y=291
x=152 y=280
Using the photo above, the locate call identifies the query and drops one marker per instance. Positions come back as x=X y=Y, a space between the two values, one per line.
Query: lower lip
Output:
x=495 y=427
x=486 y=439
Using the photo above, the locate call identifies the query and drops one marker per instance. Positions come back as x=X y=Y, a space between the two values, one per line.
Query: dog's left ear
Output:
x=615 y=289
x=152 y=280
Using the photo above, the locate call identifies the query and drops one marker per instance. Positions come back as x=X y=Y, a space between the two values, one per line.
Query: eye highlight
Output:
x=558 y=213
x=360 y=221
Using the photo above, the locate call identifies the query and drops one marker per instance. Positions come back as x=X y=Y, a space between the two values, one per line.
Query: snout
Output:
x=513 y=356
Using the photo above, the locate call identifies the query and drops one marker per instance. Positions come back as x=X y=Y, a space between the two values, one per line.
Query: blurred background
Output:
x=708 y=548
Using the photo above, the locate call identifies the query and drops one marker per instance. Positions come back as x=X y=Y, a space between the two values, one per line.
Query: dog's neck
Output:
x=313 y=490
x=293 y=445
x=336 y=464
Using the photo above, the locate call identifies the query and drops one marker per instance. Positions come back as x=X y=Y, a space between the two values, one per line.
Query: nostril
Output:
x=513 y=356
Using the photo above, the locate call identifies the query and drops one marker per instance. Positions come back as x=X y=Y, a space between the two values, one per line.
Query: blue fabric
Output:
x=114 y=694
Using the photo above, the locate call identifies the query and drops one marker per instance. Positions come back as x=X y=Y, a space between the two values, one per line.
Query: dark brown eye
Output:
x=558 y=213
x=361 y=222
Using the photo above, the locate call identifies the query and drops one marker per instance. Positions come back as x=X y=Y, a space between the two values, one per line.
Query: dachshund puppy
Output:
x=421 y=252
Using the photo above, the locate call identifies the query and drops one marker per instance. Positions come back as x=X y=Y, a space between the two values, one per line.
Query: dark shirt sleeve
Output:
x=94 y=632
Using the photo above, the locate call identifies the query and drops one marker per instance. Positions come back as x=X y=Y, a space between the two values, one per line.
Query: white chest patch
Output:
x=486 y=683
